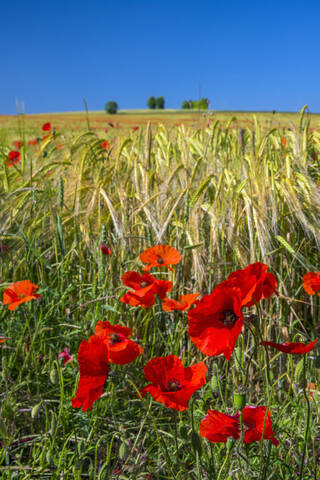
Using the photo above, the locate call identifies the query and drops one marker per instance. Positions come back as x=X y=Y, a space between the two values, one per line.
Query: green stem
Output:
x=308 y=418
x=162 y=444
x=175 y=414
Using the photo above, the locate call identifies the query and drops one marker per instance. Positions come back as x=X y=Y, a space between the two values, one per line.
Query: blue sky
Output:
x=243 y=55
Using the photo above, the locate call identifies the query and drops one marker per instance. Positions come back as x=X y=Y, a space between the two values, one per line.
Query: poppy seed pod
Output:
x=239 y=400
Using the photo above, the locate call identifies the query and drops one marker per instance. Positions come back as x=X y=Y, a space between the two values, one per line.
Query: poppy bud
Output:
x=123 y=451
x=35 y=411
x=53 y=375
x=214 y=378
x=239 y=400
x=238 y=357
x=105 y=249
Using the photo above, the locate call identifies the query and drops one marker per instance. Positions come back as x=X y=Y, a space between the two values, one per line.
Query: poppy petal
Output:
x=293 y=348
x=93 y=358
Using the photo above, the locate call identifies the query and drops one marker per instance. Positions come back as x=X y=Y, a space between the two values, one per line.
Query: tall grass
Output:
x=224 y=199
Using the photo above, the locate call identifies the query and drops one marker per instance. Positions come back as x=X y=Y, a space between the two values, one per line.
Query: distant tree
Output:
x=204 y=103
x=111 y=107
x=185 y=104
x=160 y=103
x=152 y=103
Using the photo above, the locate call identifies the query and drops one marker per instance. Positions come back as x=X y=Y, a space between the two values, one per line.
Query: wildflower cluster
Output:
x=214 y=325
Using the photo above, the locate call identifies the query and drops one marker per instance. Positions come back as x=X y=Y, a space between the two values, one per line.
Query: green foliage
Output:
x=204 y=103
x=111 y=107
x=160 y=103
x=152 y=103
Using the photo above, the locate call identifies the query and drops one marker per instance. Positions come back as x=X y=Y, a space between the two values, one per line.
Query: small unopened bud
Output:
x=214 y=378
x=53 y=375
x=123 y=451
x=36 y=410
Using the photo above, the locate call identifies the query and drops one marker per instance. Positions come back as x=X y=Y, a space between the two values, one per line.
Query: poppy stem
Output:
x=161 y=443
x=175 y=415
x=258 y=338
x=230 y=445
x=307 y=426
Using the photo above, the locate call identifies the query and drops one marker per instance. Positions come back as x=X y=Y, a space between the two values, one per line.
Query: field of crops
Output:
x=80 y=201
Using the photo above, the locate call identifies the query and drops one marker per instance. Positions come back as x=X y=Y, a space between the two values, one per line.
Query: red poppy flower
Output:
x=106 y=130
x=145 y=287
x=13 y=158
x=46 y=127
x=59 y=146
x=160 y=256
x=216 y=322
x=17 y=144
x=185 y=302
x=146 y=301
x=283 y=142
x=254 y=282
x=45 y=137
x=93 y=358
x=171 y=383
x=2 y=340
x=33 y=142
x=122 y=350
x=19 y=292
x=217 y=427
x=258 y=422
x=311 y=283
x=298 y=347
x=105 y=144
x=135 y=128
x=3 y=249
x=65 y=354
x=105 y=249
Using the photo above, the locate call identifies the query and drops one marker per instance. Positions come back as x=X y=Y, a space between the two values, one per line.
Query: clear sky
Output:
x=242 y=55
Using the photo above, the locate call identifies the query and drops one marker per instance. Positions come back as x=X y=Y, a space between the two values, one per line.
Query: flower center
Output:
x=22 y=295
x=229 y=318
x=160 y=260
x=143 y=284
x=173 y=385
x=115 y=338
